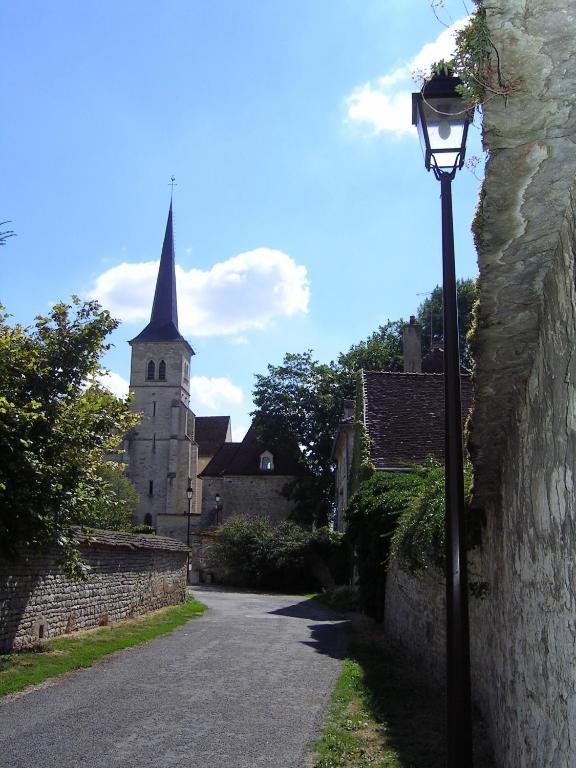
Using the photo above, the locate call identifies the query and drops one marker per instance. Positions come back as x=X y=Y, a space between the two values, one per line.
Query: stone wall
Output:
x=255 y=495
x=523 y=632
x=130 y=575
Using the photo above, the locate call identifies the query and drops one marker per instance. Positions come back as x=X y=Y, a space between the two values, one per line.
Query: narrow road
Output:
x=244 y=686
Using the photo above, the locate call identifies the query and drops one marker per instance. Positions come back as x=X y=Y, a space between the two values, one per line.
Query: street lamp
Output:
x=219 y=508
x=442 y=121
x=189 y=495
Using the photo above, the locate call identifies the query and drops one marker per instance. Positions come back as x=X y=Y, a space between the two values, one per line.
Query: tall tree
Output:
x=303 y=398
x=382 y=351
x=430 y=317
x=56 y=425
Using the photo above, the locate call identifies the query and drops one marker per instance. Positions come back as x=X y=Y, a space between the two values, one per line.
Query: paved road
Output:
x=245 y=686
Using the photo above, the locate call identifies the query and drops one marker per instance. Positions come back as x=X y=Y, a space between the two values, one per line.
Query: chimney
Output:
x=411 y=338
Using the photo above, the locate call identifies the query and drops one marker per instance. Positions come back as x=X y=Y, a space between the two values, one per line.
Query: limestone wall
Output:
x=523 y=632
x=257 y=495
x=130 y=575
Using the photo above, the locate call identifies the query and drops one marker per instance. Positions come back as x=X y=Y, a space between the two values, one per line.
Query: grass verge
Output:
x=68 y=652
x=383 y=713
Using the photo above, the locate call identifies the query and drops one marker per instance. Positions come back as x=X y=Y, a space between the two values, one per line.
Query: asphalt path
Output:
x=245 y=686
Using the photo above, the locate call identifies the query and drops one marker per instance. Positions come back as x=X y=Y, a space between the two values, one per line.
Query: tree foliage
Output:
x=430 y=317
x=372 y=515
x=419 y=540
x=381 y=351
x=254 y=552
x=56 y=424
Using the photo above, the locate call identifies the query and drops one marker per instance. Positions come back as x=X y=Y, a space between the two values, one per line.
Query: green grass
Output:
x=65 y=653
x=383 y=713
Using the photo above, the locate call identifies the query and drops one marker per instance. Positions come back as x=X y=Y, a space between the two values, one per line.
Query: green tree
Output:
x=382 y=351
x=56 y=425
x=114 y=505
x=430 y=317
x=303 y=398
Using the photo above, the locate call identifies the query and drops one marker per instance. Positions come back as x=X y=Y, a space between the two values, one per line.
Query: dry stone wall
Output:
x=130 y=575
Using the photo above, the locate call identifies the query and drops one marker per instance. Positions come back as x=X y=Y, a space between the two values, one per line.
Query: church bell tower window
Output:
x=151 y=371
x=162 y=371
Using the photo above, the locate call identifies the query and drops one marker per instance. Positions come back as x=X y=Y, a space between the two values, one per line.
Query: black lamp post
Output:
x=189 y=495
x=219 y=508
x=442 y=121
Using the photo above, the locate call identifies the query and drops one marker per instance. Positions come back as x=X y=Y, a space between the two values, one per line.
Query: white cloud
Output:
x=213 y=394
x=245 y=292
x=384 y=104
x=113 y=382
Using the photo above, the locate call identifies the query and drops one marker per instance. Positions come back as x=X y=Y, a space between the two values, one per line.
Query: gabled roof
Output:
x=211 y=432
x=404 y=416
x=163 y=325
x=244 y=458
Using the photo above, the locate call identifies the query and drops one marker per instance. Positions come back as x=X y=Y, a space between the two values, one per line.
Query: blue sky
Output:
x=304 y=217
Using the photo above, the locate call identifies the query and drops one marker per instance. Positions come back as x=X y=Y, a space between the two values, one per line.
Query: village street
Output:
x=244 y=686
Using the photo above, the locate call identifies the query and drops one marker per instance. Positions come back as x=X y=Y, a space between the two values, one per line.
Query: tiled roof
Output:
x=210 y=432
x=221 y=460
x=244 y=458
x=404 y=416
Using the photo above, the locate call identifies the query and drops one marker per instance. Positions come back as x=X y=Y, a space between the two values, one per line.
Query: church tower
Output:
x=163 y=456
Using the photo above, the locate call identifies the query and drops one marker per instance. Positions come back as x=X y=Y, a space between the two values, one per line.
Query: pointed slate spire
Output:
x=163 y=325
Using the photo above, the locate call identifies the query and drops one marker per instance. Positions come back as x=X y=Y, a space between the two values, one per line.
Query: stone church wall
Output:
x=130 y=575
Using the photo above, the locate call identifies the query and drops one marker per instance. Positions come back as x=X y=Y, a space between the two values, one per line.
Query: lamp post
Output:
x=219 y=508
x=442 y=121
x=189 y=495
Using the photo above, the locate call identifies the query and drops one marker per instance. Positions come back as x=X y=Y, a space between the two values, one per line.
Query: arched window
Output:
x=151 y=370
x=162 y=371
x=148 y=519
x=266 y=461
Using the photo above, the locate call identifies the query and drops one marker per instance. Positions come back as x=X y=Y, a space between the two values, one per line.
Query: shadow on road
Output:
x=309 y=609
x=328 y=638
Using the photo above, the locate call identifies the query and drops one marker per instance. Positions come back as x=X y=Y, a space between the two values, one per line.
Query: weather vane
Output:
x=172 y=185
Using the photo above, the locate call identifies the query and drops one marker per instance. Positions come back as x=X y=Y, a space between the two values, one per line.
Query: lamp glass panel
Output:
x=445 y=119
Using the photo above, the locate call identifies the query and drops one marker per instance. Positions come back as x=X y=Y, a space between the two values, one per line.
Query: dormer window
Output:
x=151 y=371
x=266 y=461
x=162 y=371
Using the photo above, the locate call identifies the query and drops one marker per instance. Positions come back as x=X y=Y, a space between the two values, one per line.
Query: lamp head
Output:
x=442 y=120
x=189 y=491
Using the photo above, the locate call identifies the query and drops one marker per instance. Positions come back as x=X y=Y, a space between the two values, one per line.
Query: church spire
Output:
x=163 y=325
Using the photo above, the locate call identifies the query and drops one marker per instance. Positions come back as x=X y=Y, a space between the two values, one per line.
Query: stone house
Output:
x=249 y=478
x=401 y=415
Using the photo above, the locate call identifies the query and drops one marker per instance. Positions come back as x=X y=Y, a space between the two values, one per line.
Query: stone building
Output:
x=402 y=415
x=249 y=478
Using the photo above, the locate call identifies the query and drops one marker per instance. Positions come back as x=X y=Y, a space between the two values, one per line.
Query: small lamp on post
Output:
x=442 y=121
x=219 y=508
x=189 y=495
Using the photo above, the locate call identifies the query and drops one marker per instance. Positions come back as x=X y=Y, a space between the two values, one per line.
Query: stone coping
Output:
x=94 y=537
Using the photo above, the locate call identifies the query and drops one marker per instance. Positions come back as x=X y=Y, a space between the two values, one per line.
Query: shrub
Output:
x=372 y=516
x=419 y=540
x=253 y=552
